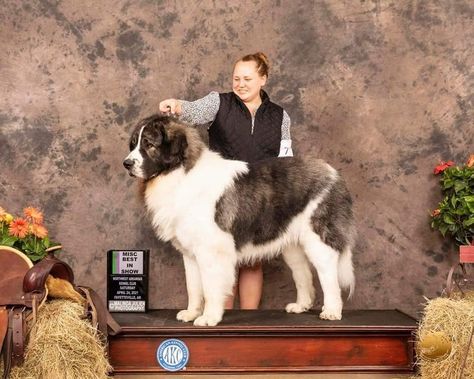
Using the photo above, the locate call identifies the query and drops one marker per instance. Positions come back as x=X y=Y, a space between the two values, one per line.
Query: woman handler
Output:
x=246 y=126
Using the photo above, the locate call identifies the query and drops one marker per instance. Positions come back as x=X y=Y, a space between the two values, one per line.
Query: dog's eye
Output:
x=147 y=143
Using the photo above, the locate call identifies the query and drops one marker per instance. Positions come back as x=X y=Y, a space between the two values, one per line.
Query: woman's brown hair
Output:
x=263 y=65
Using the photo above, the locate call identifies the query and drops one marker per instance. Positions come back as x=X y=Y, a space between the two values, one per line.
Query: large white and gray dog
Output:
x=219 y=213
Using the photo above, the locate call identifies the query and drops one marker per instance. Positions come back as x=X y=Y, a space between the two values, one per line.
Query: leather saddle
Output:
x=23 y=288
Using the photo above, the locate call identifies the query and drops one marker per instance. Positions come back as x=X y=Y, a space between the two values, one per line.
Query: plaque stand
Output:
x=127 y=280
x=266 y=341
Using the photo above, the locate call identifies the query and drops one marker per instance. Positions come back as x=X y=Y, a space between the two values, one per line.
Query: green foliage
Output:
x=455 y=213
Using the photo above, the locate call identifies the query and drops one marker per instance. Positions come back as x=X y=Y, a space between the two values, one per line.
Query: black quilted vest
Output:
x=231 y=132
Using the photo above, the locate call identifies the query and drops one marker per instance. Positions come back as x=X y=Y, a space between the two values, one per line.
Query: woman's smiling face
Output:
x=247 y=82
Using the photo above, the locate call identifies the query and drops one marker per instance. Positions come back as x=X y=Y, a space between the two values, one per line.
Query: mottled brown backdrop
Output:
x=383 y=90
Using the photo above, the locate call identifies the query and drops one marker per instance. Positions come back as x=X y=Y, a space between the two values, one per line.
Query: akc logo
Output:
x=172 y=354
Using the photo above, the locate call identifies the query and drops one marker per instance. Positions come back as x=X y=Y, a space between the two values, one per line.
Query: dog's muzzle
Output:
x=128 y=164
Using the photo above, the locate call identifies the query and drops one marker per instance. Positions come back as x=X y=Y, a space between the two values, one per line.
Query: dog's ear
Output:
x=164 y=135
x=176 y=146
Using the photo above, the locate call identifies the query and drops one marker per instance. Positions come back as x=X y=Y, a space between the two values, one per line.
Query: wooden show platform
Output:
x=270 y=341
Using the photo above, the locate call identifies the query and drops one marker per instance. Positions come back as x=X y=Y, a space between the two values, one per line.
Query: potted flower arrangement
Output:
x=454 y=215
x=27 y=234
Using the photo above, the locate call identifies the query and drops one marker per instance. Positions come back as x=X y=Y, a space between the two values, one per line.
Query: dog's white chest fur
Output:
x=183 y=203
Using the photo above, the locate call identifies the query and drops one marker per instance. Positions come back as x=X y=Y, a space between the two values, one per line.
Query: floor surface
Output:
x=272 y=376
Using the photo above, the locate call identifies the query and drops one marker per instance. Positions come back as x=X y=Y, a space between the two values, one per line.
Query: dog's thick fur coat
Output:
x=219 y=213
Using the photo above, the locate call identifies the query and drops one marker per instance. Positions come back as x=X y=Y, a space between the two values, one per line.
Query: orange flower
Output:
x=19 y=228
x=435 y=213
x=34 y=215
x=39 y=230
x=470 y=161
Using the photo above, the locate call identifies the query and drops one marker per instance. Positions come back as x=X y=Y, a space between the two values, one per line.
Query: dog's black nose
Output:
x=128 y=163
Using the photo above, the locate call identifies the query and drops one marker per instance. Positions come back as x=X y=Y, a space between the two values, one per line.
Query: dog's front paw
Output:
x=297 y=308
x=187 y=315
x=330 y=314
x=206 y=320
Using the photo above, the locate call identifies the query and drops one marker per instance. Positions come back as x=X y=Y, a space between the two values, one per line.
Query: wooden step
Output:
x=270 y=341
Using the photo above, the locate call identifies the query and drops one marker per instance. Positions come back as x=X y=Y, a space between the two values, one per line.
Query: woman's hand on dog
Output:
x=170 y=106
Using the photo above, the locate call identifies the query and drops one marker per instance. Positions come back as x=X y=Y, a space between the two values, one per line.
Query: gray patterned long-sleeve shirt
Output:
x=204 y=110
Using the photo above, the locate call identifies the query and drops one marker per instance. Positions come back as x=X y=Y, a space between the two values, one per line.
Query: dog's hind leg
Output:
x=217 y=270
x=296 y=260
x=325 y=260
x=194 y=288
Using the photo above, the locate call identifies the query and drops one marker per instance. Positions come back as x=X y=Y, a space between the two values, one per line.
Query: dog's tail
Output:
x=346 y=271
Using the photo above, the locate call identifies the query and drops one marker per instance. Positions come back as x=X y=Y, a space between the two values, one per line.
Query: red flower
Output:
x=435 y=213
x=442 y=166
x=34 y=215
x=39 y=230
x=19 y=228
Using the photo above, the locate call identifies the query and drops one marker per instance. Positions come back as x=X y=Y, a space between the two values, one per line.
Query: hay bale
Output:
x=453 y=319
x=63 y=345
